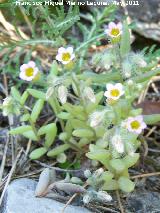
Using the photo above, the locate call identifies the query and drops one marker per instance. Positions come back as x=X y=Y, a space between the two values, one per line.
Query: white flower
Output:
x=28 y=71
x=117 y=143
x=114 y=30
x=96 y=118
x=89 y=94
x=114 y=92
x=62 y=94
x=135 y=124
x=65 y=55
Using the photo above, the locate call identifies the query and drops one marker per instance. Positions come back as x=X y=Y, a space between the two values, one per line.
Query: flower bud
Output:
x=139 y=60
x=117 y=143
x=49 y=92
x=96 y=118
x=89 y=94
x=127 y=68
x=130 y=82
x=127 y=74
x=62 y=94
x=107 y=60
x=8 y=107
x=104 y=196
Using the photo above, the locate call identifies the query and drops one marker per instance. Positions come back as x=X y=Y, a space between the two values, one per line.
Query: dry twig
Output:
x=119 y=202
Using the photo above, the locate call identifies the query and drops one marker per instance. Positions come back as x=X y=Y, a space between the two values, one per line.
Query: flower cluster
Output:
x=87 y=116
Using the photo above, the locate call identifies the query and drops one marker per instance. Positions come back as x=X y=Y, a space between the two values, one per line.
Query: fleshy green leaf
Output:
x=131 y=160
x=125 y=184
x=24 y=98
x=37 y=110
x=99 y=154
x=47 y=128
x=151 y=119
x=58 y=150
x=37 y=94
x=25 y=117
x=54 y=69
x=37 y=153
x=118 y=165
x=78 y=124
x=64 y=115
x=110 y=185
x=20 y=130
x=61 y=158
x=63 y=136
x=31 y=135
x=15 y=93
x=83 y=133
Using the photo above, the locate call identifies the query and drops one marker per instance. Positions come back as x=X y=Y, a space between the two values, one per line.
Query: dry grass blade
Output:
x=4 y=159
x=11 y=30
x=10 y=175
x=70 y=200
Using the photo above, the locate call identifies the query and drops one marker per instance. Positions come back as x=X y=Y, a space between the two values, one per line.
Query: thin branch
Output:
x=146 y=175
x=119 y=202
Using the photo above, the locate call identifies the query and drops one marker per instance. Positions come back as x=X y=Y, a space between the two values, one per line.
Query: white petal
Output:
x=130 y=128
x=139 y=118
x=119 y=86
x=59 y=57
x=22 y=74
x=72 y=56
x=66 y=62
x=115 y=98
x=109 y=87
x=119 y=26
x=35 y=71
x=112 y=25
x=23 y=67
x=143 y=125
x=138 y=131
x=61 y=50
x=70 y=50
x=107 y=94
x=31 y=64
x=24 y=77
x=107 y=31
